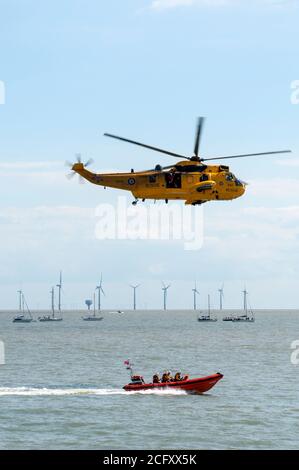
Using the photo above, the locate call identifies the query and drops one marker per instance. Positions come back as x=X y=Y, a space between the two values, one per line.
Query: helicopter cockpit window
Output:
x=229 y=177
x=152 y=178
x=204 y=177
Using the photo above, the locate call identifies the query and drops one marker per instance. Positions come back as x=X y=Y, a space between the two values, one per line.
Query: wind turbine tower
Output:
x=59 y=291
x=195 y=292
x=221 y=296
x=245 y=293
x=164 y=289
x=100 y=290
x=134 y=295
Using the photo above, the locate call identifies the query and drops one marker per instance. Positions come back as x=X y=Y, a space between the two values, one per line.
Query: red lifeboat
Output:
x=196 y=385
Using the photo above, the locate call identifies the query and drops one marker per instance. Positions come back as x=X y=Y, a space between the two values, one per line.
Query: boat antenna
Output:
x=129 y=366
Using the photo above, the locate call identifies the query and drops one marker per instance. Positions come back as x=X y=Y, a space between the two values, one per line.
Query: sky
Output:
x=72 y=70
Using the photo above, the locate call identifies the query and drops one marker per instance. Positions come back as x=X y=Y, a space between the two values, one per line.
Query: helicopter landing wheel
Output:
x=135 y=202
x=166 y=201
x=198 y=203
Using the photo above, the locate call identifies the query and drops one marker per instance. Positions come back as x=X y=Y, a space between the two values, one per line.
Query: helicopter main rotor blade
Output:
x=198 y=135
x=246 y=155
x=157 y=149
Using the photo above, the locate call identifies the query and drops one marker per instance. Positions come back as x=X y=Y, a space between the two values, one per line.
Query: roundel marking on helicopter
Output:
x=131 y=181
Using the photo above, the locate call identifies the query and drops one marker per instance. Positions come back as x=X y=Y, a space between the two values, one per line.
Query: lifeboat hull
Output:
x=197 y=385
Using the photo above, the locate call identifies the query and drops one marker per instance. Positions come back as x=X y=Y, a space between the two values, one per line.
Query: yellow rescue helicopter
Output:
x=190 y=179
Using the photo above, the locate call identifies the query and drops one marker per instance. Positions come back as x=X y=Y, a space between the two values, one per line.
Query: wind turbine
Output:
x=164 y=289
x=59 y=291
x=221 y=296
x=245 y=293
x=134 y=295
x=195 y=292
x=100 y=290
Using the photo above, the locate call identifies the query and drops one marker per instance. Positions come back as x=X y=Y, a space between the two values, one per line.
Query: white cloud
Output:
x=289 y=162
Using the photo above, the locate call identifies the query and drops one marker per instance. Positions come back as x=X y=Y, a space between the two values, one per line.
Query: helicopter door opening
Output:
x=173 y=179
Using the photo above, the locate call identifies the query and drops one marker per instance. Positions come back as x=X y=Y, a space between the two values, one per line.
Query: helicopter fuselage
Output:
x=192 y=182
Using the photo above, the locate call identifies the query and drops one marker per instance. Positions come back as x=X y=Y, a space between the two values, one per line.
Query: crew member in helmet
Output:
x=177 y=377
x=165 y=377
x=156 y=379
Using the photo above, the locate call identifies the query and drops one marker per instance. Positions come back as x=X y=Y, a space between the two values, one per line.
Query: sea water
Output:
x=61 y=386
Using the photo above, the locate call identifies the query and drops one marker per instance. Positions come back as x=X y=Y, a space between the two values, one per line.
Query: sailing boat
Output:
x=207 y=317
x=21 y=317
x=93 y=317
x=50 y=317
x=245 y=317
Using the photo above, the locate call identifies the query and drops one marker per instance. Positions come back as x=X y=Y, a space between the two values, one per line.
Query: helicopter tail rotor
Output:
x=78 y=165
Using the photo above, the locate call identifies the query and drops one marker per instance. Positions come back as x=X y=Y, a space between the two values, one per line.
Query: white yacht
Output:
x=207 y=316
x=50 y=317
x=25 y=315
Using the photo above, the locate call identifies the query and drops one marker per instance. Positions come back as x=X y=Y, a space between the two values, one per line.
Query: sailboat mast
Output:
x=52 y=302
x=209 y=306
x=20 y=300
x=245 y=300
x=59 y=291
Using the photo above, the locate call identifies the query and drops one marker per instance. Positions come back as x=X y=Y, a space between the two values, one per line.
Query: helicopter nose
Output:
x=243 y=188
